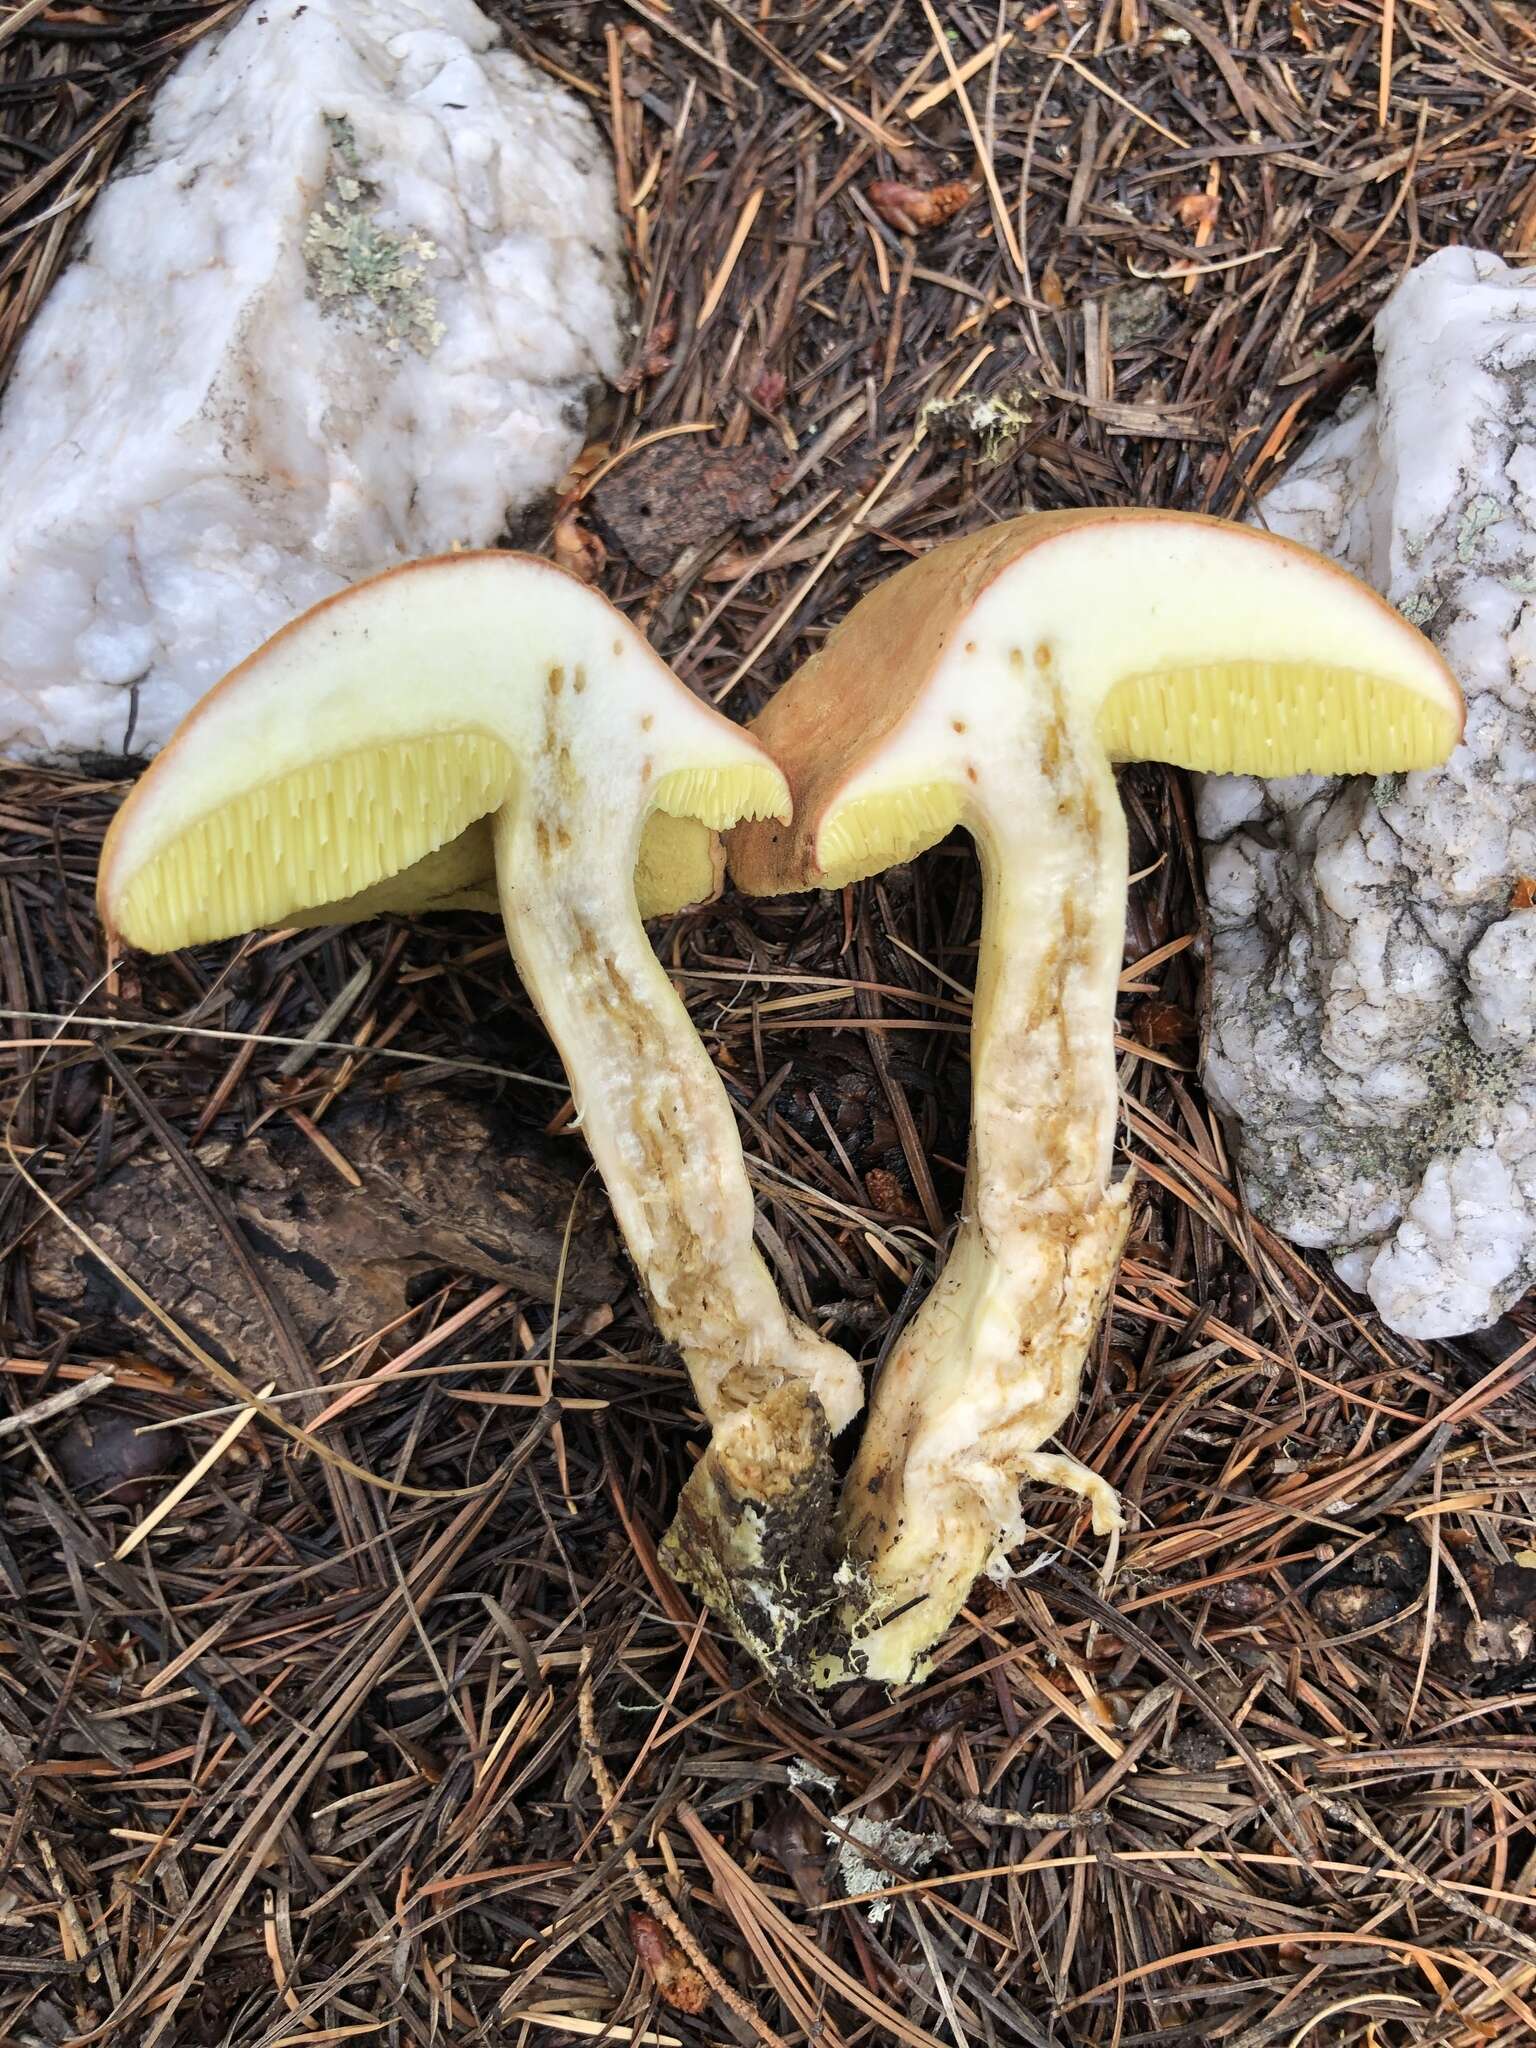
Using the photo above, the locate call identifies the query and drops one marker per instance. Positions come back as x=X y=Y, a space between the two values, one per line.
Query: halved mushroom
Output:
x=680 y=862
x=480 y=712
x=990 y=685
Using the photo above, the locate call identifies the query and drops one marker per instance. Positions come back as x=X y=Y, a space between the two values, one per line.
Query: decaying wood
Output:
x=445 y=1186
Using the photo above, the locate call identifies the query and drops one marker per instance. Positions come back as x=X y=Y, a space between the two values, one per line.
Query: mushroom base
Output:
x=754 y=1533
x=956 y=1427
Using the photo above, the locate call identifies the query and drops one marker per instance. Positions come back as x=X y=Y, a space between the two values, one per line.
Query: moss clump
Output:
x=373 y=278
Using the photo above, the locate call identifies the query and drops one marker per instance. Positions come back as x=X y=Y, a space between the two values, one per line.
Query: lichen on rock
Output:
x=1373 y=966
x=357 y=268
x=345 y=305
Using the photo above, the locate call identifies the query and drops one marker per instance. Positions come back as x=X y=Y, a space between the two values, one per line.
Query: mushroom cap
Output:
x=1157 y=635
x=375 y=729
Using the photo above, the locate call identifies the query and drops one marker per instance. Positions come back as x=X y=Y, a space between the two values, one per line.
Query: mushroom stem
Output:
x=753 y=1532
x=990 y=1365
x=652 y=1109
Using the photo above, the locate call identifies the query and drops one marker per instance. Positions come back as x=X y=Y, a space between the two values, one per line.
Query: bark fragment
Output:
x=681 y=494
x=446 y=1185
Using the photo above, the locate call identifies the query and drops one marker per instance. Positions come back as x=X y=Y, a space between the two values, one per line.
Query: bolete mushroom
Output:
x=991 y=684
x=477 y=711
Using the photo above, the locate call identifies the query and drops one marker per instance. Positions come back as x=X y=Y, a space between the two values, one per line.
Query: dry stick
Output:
x=73 y=197
x=363 y=1389
x=293 y=1063
x=722 y=276
x=657 y=1900
x=1121 y=101
x=927 y=101
x=189 y=1480
x=1384 y=90
x=141 y=1377
x=653 y=1736
x=544 y=1375
x=1456 y=1897
x=626 y=190
x=54 y=1404
x=232 y=1075
x=1431 y=1607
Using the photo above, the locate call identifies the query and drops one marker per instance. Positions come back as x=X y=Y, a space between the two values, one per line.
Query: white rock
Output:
x=344 y=306
x=1373 y=1028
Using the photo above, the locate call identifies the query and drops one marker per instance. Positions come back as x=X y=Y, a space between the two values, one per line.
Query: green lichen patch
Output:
x=343 y=139
x=362 y=271
x=878 y=1855
x=1479 y=515
x=1469 y=1087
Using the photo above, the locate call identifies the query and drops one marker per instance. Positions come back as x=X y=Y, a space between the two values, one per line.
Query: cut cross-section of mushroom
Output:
x=401 y=741
x=990 y=685
x=680 y=862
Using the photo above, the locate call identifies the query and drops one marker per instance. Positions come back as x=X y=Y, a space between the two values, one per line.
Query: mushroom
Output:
x=393 y=747
x=680 y=862
x=991 y=684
